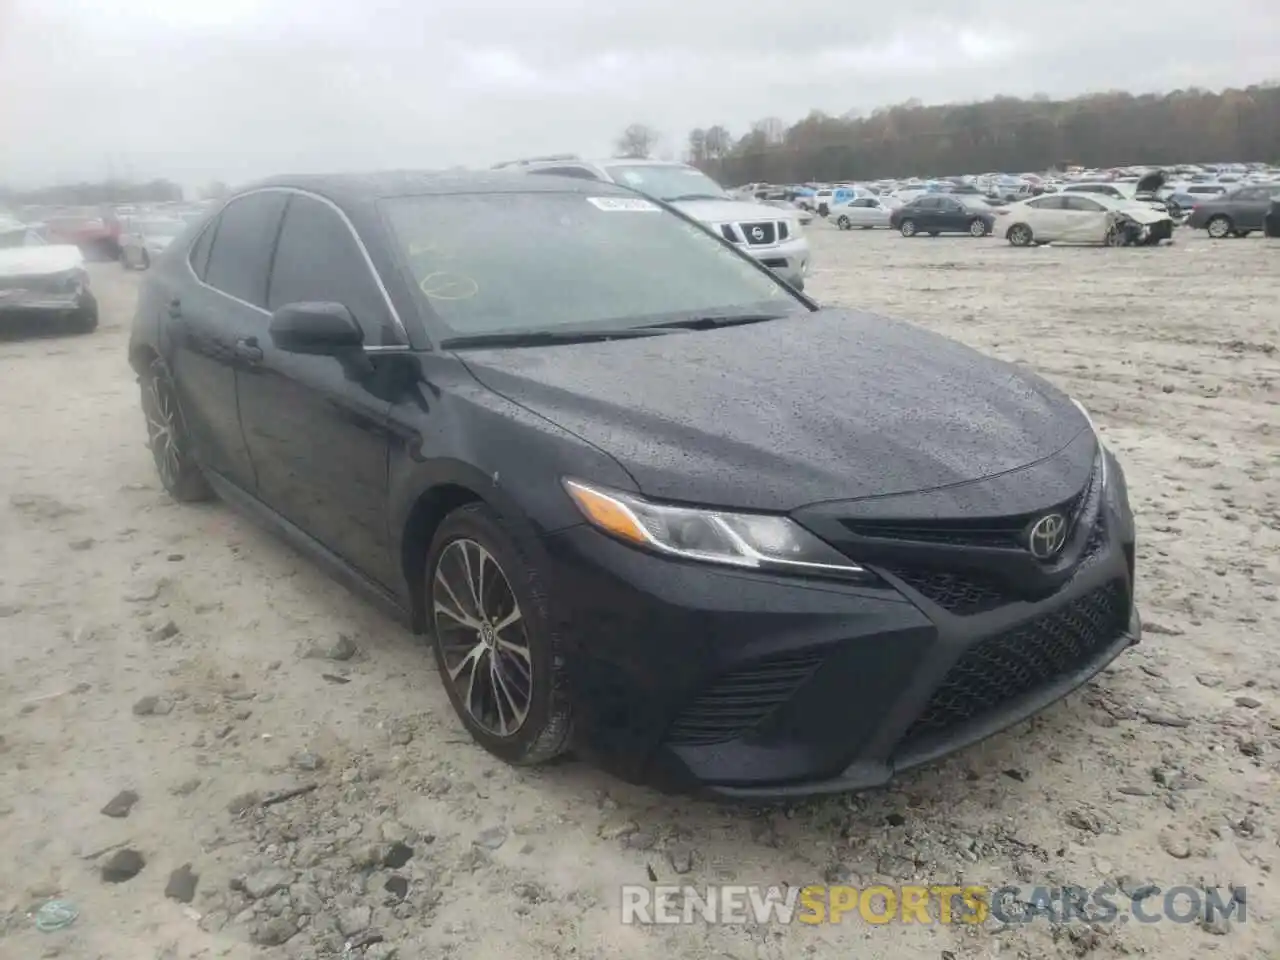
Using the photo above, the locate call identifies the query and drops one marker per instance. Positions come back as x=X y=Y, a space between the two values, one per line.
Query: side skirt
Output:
x=337 y=568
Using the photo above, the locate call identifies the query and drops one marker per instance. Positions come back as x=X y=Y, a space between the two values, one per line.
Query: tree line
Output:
x=1003 y=134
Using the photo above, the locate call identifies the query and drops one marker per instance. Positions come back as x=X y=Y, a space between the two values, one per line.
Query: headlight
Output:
x=1102 y=450
x=753 y=540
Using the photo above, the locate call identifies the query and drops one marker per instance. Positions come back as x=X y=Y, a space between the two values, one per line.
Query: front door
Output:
x=315 y=427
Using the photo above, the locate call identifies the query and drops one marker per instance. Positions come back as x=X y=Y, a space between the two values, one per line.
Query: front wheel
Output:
x=843 y=222
x=168 y=438
x=977 y=228
x=908 y=228
x=85 y=319
x=497 y=651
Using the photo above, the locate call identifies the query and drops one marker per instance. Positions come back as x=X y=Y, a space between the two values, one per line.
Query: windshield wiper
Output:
x=540 y=338
x=711 y=321
x=694 y=196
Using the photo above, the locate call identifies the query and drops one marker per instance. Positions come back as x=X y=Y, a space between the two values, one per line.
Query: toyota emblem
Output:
x=1047 y=536
x=757 y=233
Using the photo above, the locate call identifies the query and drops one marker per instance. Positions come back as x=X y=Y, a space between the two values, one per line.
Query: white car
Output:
x=43 y=280
x=144 y=239
x=863 y=212
x=1080 y=218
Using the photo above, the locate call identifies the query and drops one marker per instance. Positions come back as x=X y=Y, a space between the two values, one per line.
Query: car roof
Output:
x=358 y=189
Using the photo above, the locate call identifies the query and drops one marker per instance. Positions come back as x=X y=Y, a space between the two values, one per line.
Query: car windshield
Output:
x=667 y=181
x=525 y=262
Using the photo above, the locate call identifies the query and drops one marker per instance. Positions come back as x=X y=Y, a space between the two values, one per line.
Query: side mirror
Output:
x=315 y=328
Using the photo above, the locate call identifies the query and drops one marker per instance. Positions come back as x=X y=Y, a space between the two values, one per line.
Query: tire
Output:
x=823 y=210
x=475 y=534
x=843 y=222
x=977 y=228
x=1019 y=235
x=85 y=319
x=907 y=228
x=1219 y=227
x=168 y=438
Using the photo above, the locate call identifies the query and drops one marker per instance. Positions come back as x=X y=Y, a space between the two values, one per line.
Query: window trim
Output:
x=360 y=244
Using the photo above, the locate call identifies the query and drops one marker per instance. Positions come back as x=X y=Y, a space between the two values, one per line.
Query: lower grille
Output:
x=1012 y=664
x=740 y=700
x=958 y=593
x=764 y=232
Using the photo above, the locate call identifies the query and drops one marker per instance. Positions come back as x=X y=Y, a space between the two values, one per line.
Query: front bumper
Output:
x=39 y=301
x=689 y=677
x=789 y=259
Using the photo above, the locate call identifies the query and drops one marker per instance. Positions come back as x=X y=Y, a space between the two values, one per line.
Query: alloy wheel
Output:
x=908 y=228
x=482 y=638
x=1020 y=236
x=1219 y=227
x=843 y=222
x=162 y=430
x=977 y=229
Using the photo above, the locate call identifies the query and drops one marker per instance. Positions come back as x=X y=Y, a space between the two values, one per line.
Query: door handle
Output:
x=247 y=349
x=175 y=308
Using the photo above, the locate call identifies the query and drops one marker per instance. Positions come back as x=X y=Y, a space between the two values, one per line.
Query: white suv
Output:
x=772 y=236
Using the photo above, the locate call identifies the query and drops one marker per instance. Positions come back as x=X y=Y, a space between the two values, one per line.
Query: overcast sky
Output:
x=235 y=89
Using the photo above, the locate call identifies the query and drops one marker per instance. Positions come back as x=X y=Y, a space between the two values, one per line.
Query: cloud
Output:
x=236 y=89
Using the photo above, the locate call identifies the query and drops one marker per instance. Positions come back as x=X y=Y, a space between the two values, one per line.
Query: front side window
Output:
x=318 y=259
x=1083 y=205
x=1048 y=203
x=521 y=262
x=670 y=182
x=241 y=254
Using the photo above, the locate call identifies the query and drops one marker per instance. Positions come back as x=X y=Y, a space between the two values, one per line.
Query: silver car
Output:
x=142 y=239
x=864 y=212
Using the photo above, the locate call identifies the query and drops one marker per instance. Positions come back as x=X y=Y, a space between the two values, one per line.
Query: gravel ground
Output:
x=176 y=667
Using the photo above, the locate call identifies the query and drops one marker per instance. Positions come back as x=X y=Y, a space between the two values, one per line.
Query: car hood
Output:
x=37 y=261
x=771 y=416
x=731 y=211
x=1151 y=182
x=1142 y=212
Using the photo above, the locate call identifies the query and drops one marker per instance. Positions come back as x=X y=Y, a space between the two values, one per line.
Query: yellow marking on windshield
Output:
x=448 y=286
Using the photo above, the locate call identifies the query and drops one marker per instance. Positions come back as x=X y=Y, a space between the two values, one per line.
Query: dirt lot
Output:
x=184 y=655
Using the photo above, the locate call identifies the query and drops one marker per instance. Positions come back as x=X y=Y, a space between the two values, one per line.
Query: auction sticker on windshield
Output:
x=628 y=204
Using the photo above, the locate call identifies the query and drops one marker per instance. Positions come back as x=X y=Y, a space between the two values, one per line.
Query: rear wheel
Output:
x=497 y=652
x=977 y=228
x=1219 y=227
x=168 y=438
x=843 y=222
x=85 y=319
x=1019 y=235
x=908 y=228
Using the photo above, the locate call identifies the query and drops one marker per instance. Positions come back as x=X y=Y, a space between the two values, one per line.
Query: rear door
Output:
x=214 y=324
x=1047 y=220
x=316 y=433
x=1251 y=205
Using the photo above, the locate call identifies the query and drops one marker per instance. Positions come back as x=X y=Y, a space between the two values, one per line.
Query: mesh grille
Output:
x=1012 y=664
x=740 y=700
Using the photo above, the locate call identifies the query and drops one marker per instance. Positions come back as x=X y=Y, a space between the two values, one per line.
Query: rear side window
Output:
x=241 y=256
x=319 y=259
x=200 y=250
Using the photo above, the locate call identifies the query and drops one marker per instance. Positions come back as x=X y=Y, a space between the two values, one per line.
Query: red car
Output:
x=98 y=237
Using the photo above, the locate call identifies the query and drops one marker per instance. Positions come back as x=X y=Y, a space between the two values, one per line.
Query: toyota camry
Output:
x=648 y=503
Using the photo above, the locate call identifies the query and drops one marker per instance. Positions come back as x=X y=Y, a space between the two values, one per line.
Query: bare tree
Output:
x=697 y=146
x=771 y=129
x=1004 y=133
x=637 y=141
